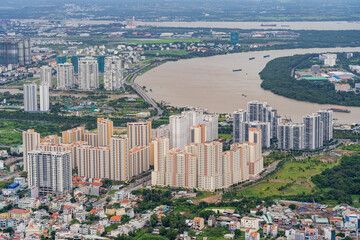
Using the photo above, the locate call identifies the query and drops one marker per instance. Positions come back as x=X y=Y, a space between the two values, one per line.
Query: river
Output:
x=210 y=83
x=305 y=25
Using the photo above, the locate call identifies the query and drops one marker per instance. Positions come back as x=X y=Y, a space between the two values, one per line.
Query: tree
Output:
x=9 y=230
x=348 y=238
x=237 y=233
x=171 y=234
x=292 y=206
x=153 y=220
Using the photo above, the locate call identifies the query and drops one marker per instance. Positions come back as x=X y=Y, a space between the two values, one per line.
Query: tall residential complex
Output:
x=50 y=172
x=44 y=98
x=184 y=126
x=139 y=134
x=291 y=136
x=46 y=75
x=326 y=117
x=88 y=73
x=93 y=162
x=65 y=76
x=31 y=141
x=139 y=160
x=209 y=167
x=113 y=73
x=73 y=135
x=313 y=131
x=30 y=97
x=15 y=51
x=181 y=169
x=104 y=131
x=239 y=118
x=119 y=158
x=159 y=148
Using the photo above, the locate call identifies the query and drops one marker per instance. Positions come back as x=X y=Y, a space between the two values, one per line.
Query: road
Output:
x=132 y=77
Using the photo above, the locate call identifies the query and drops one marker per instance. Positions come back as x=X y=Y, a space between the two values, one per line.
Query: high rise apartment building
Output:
x=88 y=74
x=326 y=116
x=313 y=131
x=159 y=148
x=46 y=75
x=44 y=98
x=139 y=160
x=50 y=172
x=30 y=97
x=65 y=76
x=104 y=131
x=119 y=158
x=73 y=135
x=31 y=141
x=15 y=51
x=113 y=73
x=139 y=134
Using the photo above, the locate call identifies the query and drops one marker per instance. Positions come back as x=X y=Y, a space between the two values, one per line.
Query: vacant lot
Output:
x=293 y=178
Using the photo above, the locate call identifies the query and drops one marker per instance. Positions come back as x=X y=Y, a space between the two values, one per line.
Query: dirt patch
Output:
x=328 y=158
x=212 y=199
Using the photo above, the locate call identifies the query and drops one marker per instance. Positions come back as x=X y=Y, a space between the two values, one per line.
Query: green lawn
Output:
x=353 y=147
x=225 y=136
x=202 y=195
x=293 y=178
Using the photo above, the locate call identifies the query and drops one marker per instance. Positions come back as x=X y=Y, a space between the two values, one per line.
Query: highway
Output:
x=132 y=77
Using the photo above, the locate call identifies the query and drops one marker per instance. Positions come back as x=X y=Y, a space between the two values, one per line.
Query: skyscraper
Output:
x=180 y=169
x=46 y=75
x=15 y=51
x=44 y=98
x=93 y=162
x=235 y=164
x=104 y=131
x=88 y=74
x=30 y=97
x=210 y=166
x=60 y=59
x=239 y=118
x=119 y=158
x=139 y=160
x=326 y=117
x=65 y=76
x=50 y=172
x=73 y=135
x=313 y=131
x=113 y=73
x=158 y=149
x=31 y=141
x=139 y=134
x=256 y=162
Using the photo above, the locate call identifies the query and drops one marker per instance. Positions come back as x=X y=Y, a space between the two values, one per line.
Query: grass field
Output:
x=353 y=147
x=225 y=136
x=169 y=40
x=293 y=178
x=11 y=131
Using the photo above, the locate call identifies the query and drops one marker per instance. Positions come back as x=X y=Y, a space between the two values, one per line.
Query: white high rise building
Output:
x=30 y=97
x=327 y=119
x=239 y=119
x=113 y=73
x=65 y=76
x=46 y=75
x=88 y=73
x=313 y=131
x=50 y=172
x=291 y=136
x=44 y=98
x=31 y=141
x=181 y=127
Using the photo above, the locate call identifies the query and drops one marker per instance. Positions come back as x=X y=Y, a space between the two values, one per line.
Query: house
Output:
x=254 y=236
x=198 y=223
x=19 y=213
x=273 y=230
x=233 y=226
x=251 y=223
x=212 y=221
x=115 y=219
